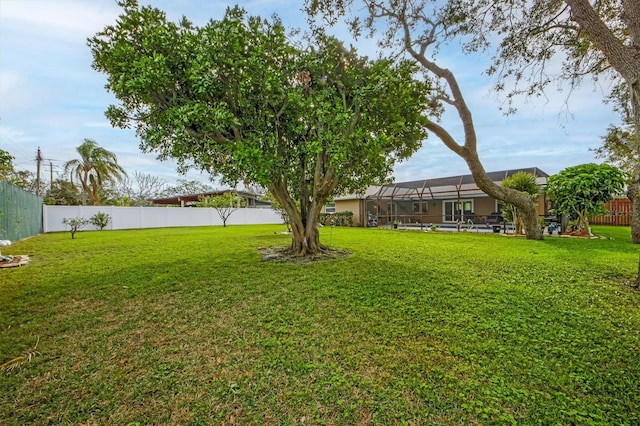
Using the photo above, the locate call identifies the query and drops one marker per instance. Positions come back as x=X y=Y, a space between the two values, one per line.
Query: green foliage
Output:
x=225 y=200
x=185 y=187
x=9 y=174
x=235 y=97
x=337 y=219
x=95 y=168
x=75 y=224
x=580 y=191
x=620 y=147
x=6 y=164
x=413 y=327
x=523 y=182
x=100 y=219
x=225 y=204
x=63 y=193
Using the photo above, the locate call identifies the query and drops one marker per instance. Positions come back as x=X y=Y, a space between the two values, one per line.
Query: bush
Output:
x=337 y=219
x=75 y=223
x=100 y=220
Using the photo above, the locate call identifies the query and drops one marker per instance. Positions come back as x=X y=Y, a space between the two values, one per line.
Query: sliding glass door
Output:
x=454 y=210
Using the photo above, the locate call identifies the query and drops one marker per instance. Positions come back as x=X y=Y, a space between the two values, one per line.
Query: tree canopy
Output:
x=580 y=191
x=224 y=204
x=95 y=167
x=419 y=29
x=240 y=100
x=10 y=174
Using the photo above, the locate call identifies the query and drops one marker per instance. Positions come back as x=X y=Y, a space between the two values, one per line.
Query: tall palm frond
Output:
x=95 y=167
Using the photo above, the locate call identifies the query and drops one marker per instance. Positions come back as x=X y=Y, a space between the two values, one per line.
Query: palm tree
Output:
x=95 y=167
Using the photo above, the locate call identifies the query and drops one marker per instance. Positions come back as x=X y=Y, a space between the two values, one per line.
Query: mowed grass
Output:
x=188 y=326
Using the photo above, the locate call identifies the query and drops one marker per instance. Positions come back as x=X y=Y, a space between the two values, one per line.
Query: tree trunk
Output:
x=634 y=89
x=468 y=151
x=584 y=221
x=634 y=193
x=524 y=203
x=305 y=237
x=624 y=58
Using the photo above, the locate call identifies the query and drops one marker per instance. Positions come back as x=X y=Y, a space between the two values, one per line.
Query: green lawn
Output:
x=187 y=326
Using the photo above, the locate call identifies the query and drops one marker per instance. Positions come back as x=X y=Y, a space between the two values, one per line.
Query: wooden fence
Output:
x=620 y=211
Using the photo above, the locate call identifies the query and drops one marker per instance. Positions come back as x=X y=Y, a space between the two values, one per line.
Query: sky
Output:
x=51 y=98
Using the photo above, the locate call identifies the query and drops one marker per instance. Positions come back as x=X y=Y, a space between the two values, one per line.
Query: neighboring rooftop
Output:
x=443 y=187
x=253 y=200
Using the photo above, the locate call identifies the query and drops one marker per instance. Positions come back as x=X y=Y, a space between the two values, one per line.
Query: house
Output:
x=444 y=200
x=252 y=200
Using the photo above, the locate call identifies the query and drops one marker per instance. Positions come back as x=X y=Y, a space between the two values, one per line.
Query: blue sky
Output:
x=51 y=98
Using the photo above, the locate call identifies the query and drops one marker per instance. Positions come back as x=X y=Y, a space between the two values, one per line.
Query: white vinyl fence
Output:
x=154 y=217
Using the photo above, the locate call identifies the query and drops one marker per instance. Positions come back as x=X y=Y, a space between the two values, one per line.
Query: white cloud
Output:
x=98 y=124
x=9 y=80
x=60 y=18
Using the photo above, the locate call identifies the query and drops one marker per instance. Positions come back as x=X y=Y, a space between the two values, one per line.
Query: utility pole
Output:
x=51 y=175
x=39 y=161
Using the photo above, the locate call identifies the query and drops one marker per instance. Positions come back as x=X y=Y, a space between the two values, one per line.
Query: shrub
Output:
x=100 y=220
x=75 y=223
x=337 y=219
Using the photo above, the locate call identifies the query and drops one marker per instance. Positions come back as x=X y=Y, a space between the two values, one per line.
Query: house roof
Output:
x=192 y=198
x=446 y=187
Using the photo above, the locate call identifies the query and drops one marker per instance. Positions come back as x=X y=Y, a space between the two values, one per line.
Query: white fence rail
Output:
x=154 y=217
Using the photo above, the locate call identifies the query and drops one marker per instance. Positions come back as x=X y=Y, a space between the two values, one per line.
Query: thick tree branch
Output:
x=623 y=59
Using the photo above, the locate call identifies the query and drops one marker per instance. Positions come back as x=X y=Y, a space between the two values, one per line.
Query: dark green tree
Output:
x=236 y=98
x=580 y=191
x=63 y=192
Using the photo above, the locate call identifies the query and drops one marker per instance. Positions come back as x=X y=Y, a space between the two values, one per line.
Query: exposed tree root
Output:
x=288 y=255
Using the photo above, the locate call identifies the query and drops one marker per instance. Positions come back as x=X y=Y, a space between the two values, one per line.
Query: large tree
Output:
x=596 y=39
x=420 y=28
x=95 y=167
x=238 y=99
x=141 y=188
x=619 y=147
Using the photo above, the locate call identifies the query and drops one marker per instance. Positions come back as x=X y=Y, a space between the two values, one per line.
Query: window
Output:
x=419 y=207
x=330 y=208
x=454 y=210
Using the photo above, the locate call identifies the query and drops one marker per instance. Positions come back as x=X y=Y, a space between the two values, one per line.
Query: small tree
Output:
x=100 y=220
x=580 y=191
x=75 y=224
x=525 y=183
x=224 y=204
